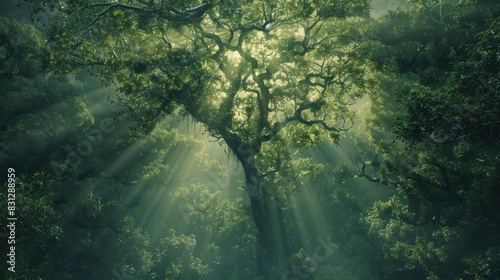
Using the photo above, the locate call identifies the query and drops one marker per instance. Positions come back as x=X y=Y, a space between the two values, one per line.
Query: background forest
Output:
x=243 y=139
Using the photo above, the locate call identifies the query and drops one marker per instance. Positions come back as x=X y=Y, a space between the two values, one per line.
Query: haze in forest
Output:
x=250 y=139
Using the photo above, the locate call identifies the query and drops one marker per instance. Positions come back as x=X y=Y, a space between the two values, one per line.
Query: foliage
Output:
x=441 y=154
x=245 y=70
x=455 y=92
x=272 y=80
x=174 y=259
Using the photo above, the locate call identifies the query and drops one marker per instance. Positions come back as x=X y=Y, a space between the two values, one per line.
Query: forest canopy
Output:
x=246 y=70
x=368 y=148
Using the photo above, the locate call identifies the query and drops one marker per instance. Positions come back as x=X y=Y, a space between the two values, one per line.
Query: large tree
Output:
x=255 y=73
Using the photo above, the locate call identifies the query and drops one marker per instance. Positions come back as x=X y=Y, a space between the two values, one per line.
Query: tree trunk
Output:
x=267 y=217
x=266 y=212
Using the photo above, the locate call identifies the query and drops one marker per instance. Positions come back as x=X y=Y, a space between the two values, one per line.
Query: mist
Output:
x=274 y=140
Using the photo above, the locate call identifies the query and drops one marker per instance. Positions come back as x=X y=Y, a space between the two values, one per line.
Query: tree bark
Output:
x=266 y=216
x=265 y=211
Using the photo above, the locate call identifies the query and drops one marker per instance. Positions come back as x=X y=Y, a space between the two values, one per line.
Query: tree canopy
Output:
x=247 y=70
x=111 y=188
x=432 y=134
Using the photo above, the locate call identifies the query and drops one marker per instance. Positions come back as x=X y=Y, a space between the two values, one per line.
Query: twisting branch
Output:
x=108 y=7
x=370 y=178
x=187 y=14
x=275 y=170
x=297 y=116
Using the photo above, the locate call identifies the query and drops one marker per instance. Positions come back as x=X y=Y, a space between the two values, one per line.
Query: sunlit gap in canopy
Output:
x=310 y=219
x=380 y=7
x=160 y=211
x=232 y=185
x=163 y=212
x=306 y=218
x=154 y=210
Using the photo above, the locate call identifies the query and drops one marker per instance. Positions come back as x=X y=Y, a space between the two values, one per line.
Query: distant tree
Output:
x=70 y=195
x=225 y=234
x=36 y=104
x=454 y=93
x=36 y=229
x=247 y=70
x=80 y=238
x=432 y=133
